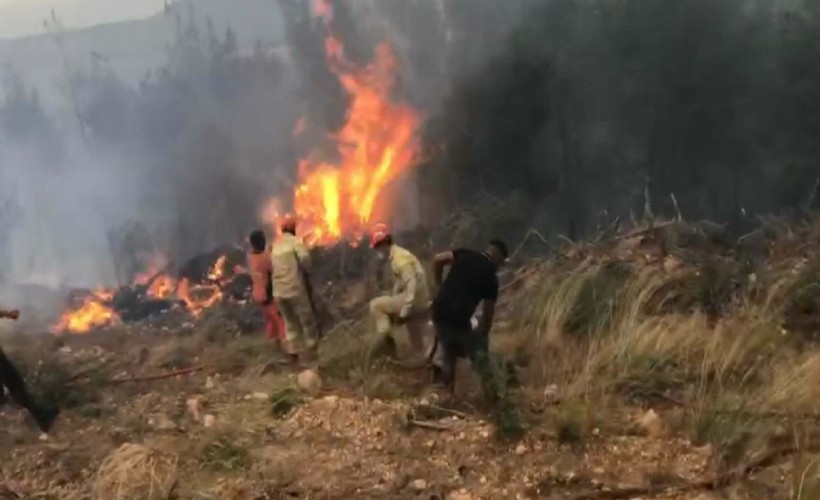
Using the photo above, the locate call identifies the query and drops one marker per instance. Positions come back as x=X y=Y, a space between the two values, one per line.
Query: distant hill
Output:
x=133 y=47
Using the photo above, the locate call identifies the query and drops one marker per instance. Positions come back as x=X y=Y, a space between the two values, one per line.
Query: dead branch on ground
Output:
x=173 y=374
x=719 y=482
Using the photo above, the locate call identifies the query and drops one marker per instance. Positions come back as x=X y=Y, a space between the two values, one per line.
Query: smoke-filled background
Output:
x=172 y=134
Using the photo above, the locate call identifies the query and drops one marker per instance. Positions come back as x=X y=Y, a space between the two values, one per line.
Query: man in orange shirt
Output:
x=260 y=269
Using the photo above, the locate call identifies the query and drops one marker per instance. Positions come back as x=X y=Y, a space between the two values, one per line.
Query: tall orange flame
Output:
x=375 y=146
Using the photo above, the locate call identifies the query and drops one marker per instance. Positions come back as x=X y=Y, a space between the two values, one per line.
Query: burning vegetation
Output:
x=154 y=287
x=339 y=196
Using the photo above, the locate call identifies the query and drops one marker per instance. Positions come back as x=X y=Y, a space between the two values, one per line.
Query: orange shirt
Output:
x=260 y=268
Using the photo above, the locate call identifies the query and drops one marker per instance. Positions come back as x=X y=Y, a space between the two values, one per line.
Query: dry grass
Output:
x=608 y=337
x=136 y=471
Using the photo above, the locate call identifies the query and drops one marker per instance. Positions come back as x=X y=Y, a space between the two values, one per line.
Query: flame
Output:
x=163 y=287
x=156 y=263
x=198 y=298
x=375 y=146
x=94 y=312
x=217 y=271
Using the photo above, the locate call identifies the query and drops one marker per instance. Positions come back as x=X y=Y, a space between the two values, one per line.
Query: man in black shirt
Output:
x=472 y=280
x=10 y=379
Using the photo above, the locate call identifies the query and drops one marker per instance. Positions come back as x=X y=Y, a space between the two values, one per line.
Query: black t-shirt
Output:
x=471 y=279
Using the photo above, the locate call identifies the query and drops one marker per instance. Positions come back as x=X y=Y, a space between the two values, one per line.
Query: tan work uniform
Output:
x=410 y=298
x=289 y=258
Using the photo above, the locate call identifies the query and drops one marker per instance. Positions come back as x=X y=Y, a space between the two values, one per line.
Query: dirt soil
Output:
x=341 y=443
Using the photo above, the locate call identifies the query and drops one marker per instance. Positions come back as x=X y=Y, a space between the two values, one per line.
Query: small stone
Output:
x=419 y=485
x=520 y=449
x=195 y=408
x=259 y=395
x=596 y=432
x=598 y=470
x=651 y=424
x=309 y=382
x=163 y=423
x=209 y=421
x=551 y=394
x=209 y=383
x=461 y=494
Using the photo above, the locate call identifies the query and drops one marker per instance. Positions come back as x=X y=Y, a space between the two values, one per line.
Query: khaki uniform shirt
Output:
x=286 y=276
x=409 y=279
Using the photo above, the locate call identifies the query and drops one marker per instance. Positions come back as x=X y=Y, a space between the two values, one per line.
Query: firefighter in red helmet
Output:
x=408 y=304
x=292 y=290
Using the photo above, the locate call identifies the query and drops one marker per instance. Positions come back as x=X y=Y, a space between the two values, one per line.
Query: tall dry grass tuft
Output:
x=136 y=471
x=600 y=334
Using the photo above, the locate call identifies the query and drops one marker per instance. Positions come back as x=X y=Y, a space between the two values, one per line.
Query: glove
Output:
x=405 y=312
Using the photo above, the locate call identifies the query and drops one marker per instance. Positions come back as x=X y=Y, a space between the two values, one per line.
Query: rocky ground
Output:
x=197 y=410
x=226 y=435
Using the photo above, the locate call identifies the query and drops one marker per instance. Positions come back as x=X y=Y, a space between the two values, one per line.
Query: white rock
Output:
x=209 y=383
x=651 y=424
x=520 y=449
x=419 y=485
x=551 y=394
x=259 y=395
x=461 y=494
x=195 y=408
x=163 y=423
x=209 y=421
x=309 y=382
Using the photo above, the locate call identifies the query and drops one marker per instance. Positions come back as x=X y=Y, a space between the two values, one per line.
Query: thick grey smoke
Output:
x=99 y=173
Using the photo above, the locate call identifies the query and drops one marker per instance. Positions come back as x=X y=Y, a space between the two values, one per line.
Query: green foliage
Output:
x=52 y=383
x=282 y=401
x=571 y=423
x=223 y=453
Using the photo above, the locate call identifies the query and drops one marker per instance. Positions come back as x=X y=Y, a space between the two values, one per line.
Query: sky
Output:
x=25 y=17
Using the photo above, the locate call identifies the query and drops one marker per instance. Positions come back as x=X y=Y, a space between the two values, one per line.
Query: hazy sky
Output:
x=25 y=17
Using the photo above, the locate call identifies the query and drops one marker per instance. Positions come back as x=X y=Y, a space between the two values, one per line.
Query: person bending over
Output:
x=11 y=381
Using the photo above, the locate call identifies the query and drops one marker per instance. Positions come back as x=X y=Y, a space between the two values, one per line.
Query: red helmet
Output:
x=287 y=222
x=378 y=234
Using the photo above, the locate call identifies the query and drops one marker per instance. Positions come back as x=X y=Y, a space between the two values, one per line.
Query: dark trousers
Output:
x=11 y=380
x=456 y=343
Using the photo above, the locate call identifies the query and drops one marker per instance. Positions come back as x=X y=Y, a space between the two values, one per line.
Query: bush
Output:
x=223 y=453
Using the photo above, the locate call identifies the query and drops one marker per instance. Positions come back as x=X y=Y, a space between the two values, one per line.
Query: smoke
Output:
x=562 y=108
x=104 y=174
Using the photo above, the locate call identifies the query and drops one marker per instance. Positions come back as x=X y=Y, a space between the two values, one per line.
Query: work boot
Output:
x=45 y=417
x=386 y=348
x=439 y=378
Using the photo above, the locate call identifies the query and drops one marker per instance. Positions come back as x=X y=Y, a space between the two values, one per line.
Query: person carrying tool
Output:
x=471 y=280
x=292 y=290
x=11 y=380
x=261 y=269
x=410 y=300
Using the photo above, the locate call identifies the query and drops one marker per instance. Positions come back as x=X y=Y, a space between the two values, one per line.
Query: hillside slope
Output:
x=133 y=47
